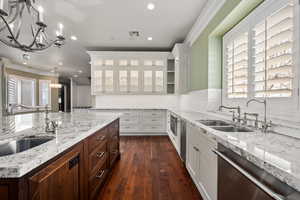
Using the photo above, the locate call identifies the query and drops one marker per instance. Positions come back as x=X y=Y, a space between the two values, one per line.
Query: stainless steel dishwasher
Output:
x=239 y=179
x=183 y=140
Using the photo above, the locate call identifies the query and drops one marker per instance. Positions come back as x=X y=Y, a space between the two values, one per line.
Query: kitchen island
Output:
x=73 y=165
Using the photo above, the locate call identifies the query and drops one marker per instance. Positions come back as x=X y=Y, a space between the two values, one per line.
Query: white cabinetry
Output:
x=128 y=72
x=141 y=121
x=201 y=162
x=182 y=68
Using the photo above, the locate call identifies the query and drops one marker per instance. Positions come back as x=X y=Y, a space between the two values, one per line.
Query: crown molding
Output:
x=208 y=12
x=8 y=64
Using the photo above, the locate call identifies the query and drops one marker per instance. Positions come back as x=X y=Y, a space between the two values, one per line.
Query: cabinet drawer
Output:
x=98 y=158
x=155 y=114
x=128 y=120
x=96 y=180
x=129 y=127
x=97 y=139
x=152 y=128
x=130 y=114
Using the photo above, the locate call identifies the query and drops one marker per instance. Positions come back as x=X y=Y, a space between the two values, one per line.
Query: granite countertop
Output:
x=277 y=154
x=73 y=128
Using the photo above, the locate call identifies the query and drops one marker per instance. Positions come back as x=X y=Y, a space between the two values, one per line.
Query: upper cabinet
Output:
x=178 y=72
x=129 y=72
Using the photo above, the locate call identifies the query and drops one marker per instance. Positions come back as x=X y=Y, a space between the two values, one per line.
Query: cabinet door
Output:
x=109 y=81
x=123 y=81
x=134 y=81
x=148 y=81
x=61 y=179
x=193 y=152
x=98 y=81
x=159 y=81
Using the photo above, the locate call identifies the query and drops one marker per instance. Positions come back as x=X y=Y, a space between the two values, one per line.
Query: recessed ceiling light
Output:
x=73 y=37
x=151 y=6
x=60 y=63
x=79 y=71
x=75 y=76
x=150 y=38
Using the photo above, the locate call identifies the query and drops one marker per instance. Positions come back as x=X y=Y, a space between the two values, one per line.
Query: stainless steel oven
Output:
x=173 y=124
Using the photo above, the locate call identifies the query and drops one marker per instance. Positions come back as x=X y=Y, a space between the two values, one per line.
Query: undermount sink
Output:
x=213 y=123
x=232 y=129
x=23 y=144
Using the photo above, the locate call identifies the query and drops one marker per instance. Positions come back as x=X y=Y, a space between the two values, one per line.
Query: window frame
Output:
x=40 y=92
x=34 y=100
x=260 y=14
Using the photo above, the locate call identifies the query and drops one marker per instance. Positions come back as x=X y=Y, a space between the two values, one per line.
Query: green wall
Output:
x=206 y=54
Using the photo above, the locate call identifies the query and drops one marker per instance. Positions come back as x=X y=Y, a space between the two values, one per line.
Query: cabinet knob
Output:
x=100 y=174
x=100 y=155
x=100 y=138
x=196 y=149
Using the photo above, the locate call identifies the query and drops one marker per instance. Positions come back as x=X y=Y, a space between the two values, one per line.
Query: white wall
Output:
x=84 y=97
x=74 y=91
x=136 y=101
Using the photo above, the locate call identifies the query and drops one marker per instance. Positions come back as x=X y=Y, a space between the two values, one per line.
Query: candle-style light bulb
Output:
x=1 y=4
x=11 y=26
x=61 y=27
x=41 y=14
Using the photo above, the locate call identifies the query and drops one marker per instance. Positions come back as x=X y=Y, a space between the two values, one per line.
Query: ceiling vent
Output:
x=134 y=34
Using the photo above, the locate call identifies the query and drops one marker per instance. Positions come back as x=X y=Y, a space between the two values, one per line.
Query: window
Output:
x=273 y=54
x=44 y=92
x=237 y=67
x=21 y=90
x=259 y=53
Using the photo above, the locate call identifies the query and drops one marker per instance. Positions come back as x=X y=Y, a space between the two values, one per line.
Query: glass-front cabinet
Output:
x=142 y=73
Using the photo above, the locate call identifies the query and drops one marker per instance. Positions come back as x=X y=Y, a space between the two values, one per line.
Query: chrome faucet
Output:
x=251 y=114
x=50 y=126
x=266 y=125
x=238 y=108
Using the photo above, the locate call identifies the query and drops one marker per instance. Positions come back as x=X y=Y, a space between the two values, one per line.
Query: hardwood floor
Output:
x=149 y=169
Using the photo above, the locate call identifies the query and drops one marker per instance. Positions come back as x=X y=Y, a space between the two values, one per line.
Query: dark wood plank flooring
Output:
x=149 y=169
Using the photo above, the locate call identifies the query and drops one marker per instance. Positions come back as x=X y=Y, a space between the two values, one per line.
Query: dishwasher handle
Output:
x=259 y=184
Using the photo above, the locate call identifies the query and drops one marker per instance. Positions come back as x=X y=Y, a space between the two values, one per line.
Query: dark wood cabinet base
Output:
x=77 y=174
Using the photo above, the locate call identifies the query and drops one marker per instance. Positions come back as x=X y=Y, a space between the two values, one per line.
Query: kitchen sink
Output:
x=23 y=144
x=232 y=129
x=213 y=123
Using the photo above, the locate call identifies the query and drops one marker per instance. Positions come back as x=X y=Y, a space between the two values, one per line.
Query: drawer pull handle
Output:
x=101 y=174
x=101 y=138
x=196 y=148
x=100 y=155
x=115 y=152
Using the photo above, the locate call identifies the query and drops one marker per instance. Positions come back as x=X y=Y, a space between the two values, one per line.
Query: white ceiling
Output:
x=104 y=25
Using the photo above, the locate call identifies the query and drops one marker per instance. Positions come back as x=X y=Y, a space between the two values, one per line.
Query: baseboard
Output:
x=142 y=134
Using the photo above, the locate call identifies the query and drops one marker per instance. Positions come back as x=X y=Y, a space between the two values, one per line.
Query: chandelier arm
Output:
x=34 y=39
x=46 y=46
x=17 y=9
x=20 y=24
x=10 y=32
x=9 y=43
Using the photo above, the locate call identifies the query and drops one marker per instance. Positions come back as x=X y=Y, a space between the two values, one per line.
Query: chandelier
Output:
x=13 y=21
